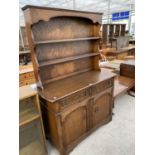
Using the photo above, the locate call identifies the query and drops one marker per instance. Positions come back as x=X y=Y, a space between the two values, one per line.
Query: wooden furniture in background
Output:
x=24 y=53
x=120 y=42
x=76 y=95
x=113 y=65
x=132 y=41
x=122 y=85
x=115 y=44
x=129 y=57
x=119 y=54
x=110 y=31
x=126 y=80
x=23 y=41
x=127 y=69
x=31 y=131
x=24 y=57
x=123 y=27
x=26 y=75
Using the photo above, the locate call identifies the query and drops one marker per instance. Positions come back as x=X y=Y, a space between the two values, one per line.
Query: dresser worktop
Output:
x=55 y=90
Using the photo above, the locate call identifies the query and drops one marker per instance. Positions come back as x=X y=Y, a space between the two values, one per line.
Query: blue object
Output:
x=120 y=15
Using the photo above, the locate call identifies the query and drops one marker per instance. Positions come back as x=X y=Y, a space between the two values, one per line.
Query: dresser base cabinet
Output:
x=67 y=125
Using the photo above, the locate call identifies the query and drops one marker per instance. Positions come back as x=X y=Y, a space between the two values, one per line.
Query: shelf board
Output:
x=65 y=40
x=35 y=147
x=62 y=60
x=28 y=115
x=24 y=52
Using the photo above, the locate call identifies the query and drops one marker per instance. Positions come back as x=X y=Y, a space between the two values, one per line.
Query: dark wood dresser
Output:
x=76 y=96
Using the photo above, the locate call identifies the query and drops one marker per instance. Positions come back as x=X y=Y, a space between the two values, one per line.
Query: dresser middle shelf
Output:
x=65 y=40
x=62 y=60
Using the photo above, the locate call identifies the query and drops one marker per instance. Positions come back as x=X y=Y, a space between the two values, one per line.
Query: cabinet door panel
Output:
x=102 y=108
x=74 y=125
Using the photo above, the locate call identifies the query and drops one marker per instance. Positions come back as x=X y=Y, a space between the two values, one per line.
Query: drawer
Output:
x=86 y=93
x=26 y=75
x=102 y=86
x=30 y=81
x=21 y=83
x=26 y=82
x=76 y=97
x=22 y=77
x=31 y=74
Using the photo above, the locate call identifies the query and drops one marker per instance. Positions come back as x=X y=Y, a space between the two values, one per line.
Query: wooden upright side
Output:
x=28 y=21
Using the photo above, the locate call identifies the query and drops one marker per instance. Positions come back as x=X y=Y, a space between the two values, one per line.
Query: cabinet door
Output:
x=102 y=108
x=74 y=123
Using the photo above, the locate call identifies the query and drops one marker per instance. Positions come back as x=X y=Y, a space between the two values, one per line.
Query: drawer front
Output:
x=102 y=86
x=26 y=76
x=26 y=82
x=86 y=93
x=26 y=79
x=21 y=83
x=22 y=77
x=76 y=97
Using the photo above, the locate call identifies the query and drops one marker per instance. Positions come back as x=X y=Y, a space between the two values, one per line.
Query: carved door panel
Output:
x=74 y=123
x=102 y=107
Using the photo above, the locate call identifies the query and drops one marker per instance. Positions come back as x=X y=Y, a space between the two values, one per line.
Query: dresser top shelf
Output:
x=58 y=9
x=65 y=40
x=65 y=43
x=55 y=90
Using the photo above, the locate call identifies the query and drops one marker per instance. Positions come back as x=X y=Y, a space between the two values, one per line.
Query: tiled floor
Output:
x=115 y=138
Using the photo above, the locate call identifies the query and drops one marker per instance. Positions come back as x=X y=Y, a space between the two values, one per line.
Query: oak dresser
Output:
x=75 y=95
